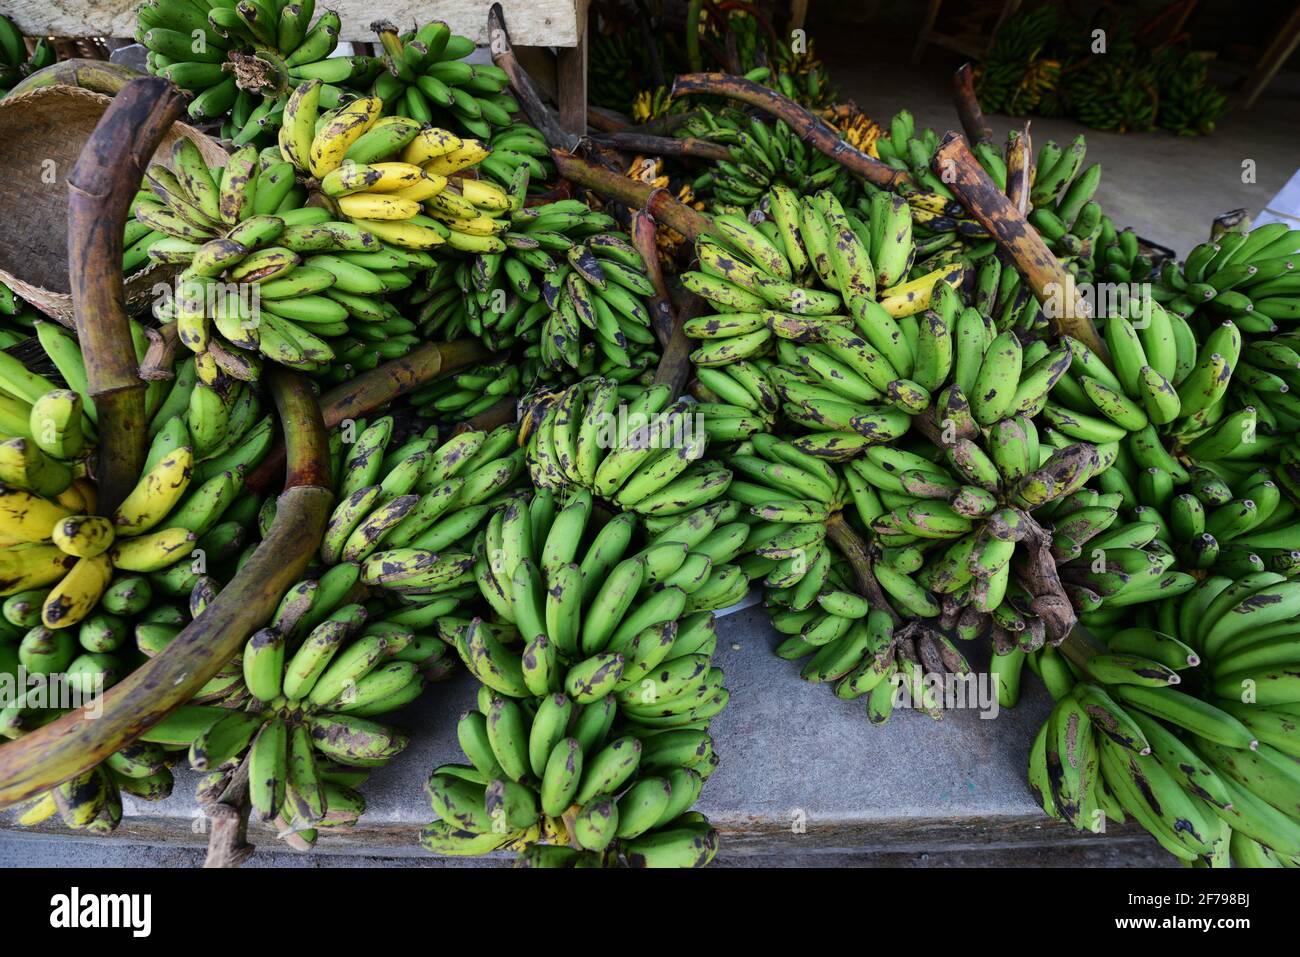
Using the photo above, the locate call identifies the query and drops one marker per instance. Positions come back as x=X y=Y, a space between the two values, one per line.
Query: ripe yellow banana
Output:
x=338 y=134
x=377 y=206
x=469 y=153
x=84 y=535
x=73 y=598
x=25 y=517
x=430 y=144
x=155 y=494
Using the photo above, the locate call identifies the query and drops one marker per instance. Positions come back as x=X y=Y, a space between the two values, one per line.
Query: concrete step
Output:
x=805 y=778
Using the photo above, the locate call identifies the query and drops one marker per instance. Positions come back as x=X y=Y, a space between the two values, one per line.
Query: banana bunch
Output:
x=801 y=75
x=15 y=63
x=424 y=77
x=312 y=685
x=762 y=155
x=521 y=289
x=515 y=147
x=1248 y=278
x=1064 y=213
x=763 y=279
x=241 y=60
x=469 y=392
x=409 y=514
x=45 y=433
x=548 y=777
x=1212 y=781
x=238 y=62
x=627 y=445
x=271 y=275
x=374 y=170
x=619 y=634
x=1163 y=384
x=1189 y=104
x=92 y=801
x=1117 y=255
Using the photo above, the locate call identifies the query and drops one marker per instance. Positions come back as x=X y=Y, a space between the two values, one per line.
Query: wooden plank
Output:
x=571 y=78
x=1283 y=45
x=532 y=22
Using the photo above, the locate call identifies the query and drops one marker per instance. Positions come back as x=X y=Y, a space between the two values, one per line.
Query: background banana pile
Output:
x=590 y=739
x=762 y=154
x=16 y=64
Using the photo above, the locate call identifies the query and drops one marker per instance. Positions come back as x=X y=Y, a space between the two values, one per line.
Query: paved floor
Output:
x=1168 y=188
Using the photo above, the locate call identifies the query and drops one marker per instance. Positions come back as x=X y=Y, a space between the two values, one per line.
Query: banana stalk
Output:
x=376 y=388
x=811 y=129
x=957 y=166
x=101 y=187
x=611 y=185
x=968 y=106
x=99 y=76
x=72 y=744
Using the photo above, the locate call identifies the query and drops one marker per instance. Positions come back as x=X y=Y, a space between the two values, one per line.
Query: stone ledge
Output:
x=790 y=750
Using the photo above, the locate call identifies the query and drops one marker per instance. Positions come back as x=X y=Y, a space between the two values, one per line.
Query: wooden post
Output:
x=571 y=77
x=968 y=106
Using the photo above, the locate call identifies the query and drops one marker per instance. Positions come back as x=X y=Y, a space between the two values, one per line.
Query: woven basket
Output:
x=41 y=136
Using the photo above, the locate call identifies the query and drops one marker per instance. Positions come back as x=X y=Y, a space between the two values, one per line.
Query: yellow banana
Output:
x=430 y=144
x=84 y=535
x=343 y=129
x=405 y=234
x=395 y=176
x=485 y=194
x=155 y=494
x=149 y=553
x=377 y=206
x=73 y=598
x=32 y=566
x=910 y=298
x=25 y=517
x=469 y=153
x=429 y=186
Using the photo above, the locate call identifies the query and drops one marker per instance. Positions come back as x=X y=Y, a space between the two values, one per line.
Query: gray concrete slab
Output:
x=804 y=778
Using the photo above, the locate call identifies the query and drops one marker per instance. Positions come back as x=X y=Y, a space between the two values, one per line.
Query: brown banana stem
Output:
x=809 y=127
x=494 y=416
x=100 y=187
x=854 y=549
x=1020 y=169
x=663 y=145
x=645 y=240
x=79 y=740
x=376 y=388
x=675 y=363
x=968 y=106
x=660 y=203
x=1051 y=283
x=606 y=121
x=160 y=359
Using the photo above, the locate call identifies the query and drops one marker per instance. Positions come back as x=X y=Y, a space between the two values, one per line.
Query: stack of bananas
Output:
x=1210 y=773
x=597 y=690
x=408 y=515
x=468 y=392
x=424 y=77
x=626 y=444
x=1189 y=104
x=241 y=60
x=15 y=63
x=520 y=290
x=91 y=662
x=877 y=354
x=762 y=154
x=302 y=709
